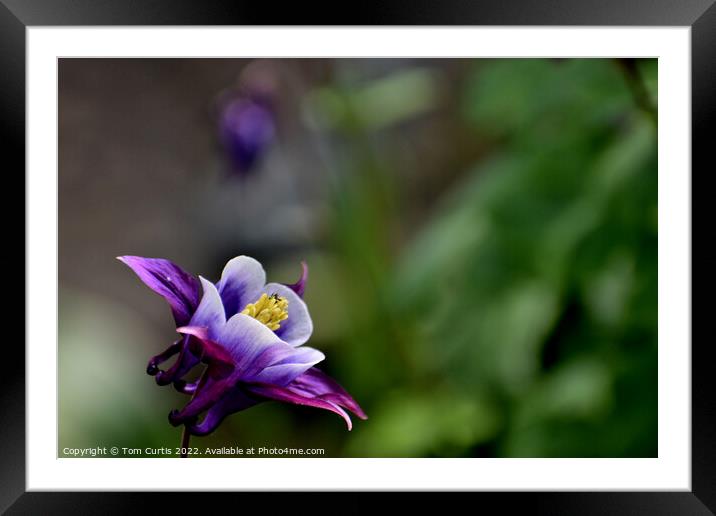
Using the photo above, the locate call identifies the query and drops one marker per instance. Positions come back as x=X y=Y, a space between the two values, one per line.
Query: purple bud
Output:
x=246 y=130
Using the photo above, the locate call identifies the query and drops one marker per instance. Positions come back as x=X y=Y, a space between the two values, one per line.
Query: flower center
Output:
x=269 y=310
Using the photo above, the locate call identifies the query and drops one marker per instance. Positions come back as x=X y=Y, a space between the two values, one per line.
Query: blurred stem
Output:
x=185 y=436
x=636 y=85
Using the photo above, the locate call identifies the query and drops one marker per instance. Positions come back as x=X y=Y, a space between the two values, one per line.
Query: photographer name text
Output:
x=164 y=451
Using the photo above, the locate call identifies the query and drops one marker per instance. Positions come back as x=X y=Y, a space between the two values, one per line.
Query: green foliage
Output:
x=536 y=281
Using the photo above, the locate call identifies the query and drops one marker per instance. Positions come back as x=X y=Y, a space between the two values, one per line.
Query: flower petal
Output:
x=251 y=345
x=240 y=283
x=233 y=401
x=297 y=329
x=210 y=312
x=179 y=288
x=208 y=392
x=220 y=362
x=287 y=369
x=208 y=317
x=153 y=365
x=300 y=286
x=254 y=351
x=288 y=396
x=315 y=382
x=183 y=364
x=186 y=388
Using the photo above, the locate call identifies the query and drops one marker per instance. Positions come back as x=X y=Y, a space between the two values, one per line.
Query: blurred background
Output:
x=481 y=237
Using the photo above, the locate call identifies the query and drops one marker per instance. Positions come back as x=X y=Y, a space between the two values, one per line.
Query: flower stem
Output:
x=185 y=436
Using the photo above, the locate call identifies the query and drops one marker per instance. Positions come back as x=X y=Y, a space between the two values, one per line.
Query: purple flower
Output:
x=246 y=129
x=250 y=335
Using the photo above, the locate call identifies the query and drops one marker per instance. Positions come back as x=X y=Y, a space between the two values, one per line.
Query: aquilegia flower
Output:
x=250 y=335
x=246 y=130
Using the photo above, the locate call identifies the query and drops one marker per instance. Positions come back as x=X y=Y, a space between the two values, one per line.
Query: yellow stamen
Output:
x=269 y=310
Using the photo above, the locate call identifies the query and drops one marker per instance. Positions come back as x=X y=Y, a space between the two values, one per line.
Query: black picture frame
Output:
x=17 y=15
